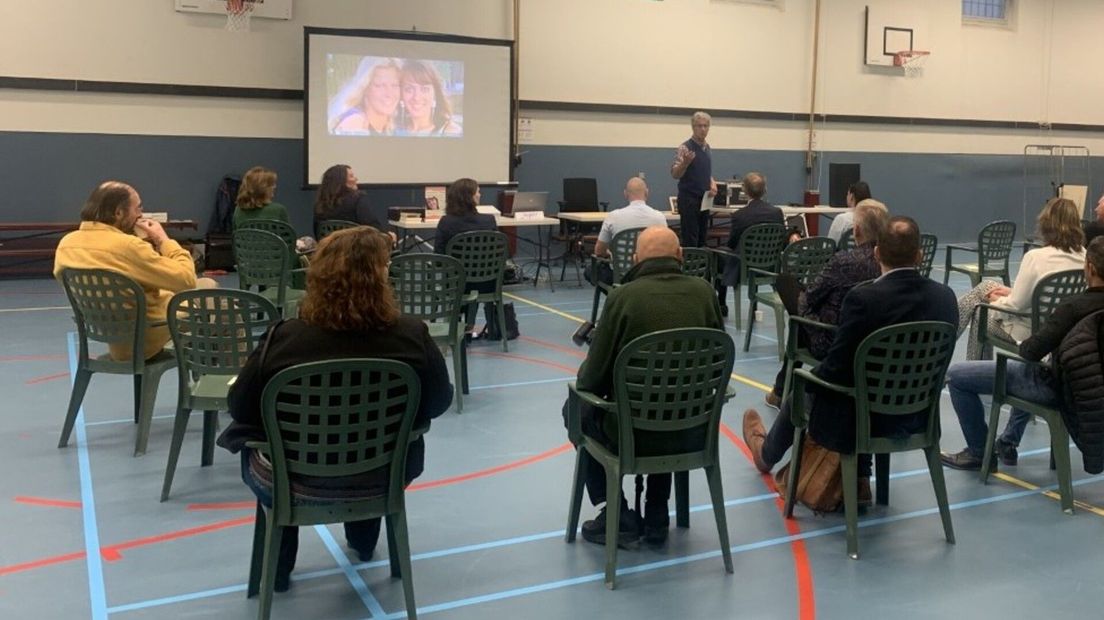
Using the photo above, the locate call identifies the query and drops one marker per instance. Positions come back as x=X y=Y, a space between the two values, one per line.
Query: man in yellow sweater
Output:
x=113 y=235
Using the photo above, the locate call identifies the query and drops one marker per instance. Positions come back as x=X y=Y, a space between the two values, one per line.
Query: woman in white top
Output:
x=1059 y=227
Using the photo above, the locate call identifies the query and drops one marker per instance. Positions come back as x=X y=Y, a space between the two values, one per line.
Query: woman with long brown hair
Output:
x=349 y=311
x=340 y=198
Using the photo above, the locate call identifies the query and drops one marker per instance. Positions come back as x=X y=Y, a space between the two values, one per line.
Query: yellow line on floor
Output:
x=1023 y=484
x=571 y=317
x=34 y=309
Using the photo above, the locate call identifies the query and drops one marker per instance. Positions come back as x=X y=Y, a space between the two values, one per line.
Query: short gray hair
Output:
x=701 y=115
x=871 y=217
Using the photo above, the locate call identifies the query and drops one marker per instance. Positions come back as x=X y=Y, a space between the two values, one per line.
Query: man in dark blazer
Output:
x=900 y=295
x=757 y=211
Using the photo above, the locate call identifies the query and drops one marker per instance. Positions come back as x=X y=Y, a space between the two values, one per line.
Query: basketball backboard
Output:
x=893 y=28
x=273 y=9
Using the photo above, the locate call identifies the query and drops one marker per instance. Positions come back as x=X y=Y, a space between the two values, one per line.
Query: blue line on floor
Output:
x=520 y=383
x=351 y=574
x=96 y=590
x=560 y=532
x=130 y=420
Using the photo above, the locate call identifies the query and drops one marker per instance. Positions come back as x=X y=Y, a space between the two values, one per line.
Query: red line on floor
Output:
x=553 y=346
x=491 y=471
x=523 y=358
x=33 y=358
x=41 y=501
x=223 y=506
x=26 y=566
x=112 y=551
x=806 y=594
x=45 y=378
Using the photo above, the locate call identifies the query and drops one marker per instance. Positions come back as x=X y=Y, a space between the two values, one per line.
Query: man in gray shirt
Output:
x=637 y=214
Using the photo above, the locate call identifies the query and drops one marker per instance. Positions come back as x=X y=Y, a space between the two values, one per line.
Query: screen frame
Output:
x=409 y=36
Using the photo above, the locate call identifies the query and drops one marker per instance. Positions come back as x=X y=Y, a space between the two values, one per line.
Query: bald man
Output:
x=654 y=296
x=637 y=214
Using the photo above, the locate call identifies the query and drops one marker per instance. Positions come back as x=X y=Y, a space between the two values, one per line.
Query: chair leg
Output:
x=752 y=305
x=947 y=268
x=1060 y=453
x=991 y=437
x=682 y=499
x=850 y=466
x=402 y=542
x=613 y=523
x=256 y=559
x=502 y=324
x=393 y=548
x=737 y=307
x=137 y=398
x=76 y=397
x=795 y=472
x=210 y=429
x=881 y=472
x=594 y=305
x=716 y=493
x=180 y=426
x=780 y=331
x=273 y=535
x=576 y=500
x=458 y=374
x=935 y=467
x=149 y=384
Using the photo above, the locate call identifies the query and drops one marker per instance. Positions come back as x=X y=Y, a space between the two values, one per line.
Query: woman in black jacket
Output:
x=349 y=311
x=461 y=217
x=339 y=198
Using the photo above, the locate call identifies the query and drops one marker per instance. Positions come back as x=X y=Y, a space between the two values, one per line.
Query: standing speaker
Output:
x=840 y=177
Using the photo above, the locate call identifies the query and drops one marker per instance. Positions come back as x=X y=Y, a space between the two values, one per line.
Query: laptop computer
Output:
x=529 y=201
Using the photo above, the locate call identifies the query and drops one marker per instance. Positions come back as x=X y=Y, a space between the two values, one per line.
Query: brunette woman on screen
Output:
x=339 y=198
x=461 y=217
x=367 y=104
x=349 y=311
x=424 y=109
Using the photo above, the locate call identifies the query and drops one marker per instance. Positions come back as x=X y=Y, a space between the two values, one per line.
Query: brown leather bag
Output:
x=820 y=483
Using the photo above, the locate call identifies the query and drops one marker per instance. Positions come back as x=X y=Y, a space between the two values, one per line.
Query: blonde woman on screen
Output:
x=424 y=109
x=368 y=103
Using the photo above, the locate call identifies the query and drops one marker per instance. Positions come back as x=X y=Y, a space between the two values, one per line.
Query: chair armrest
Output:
x=797 y=404
x=724 y=251
x=807 y=322
x=261 y=446
x=959 y=246
x=470 y=297
x=762 y=272
x=807 y=375
x=985 y=308
x=1012 y=355
x=730 y=392
x=575 y=397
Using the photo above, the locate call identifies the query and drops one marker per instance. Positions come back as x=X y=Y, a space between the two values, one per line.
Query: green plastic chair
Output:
x=286 y=233
x=993 y=247
x=804 y=260
x=109 y=307
x=333 y=419
x=483 y=254
x=668 y=381
x=621 y=248
x=760 y=250
x=929 y=243
x=261 y=259
x=796 y=354
x=326 y=227
x=846 y=241
x=1059 y=436
x=1049 y=293
x=213 y=332
x=698 y=262
x=430 y=287
x=899 y=370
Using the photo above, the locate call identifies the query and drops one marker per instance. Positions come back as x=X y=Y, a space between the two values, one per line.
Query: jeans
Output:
x=967 y=381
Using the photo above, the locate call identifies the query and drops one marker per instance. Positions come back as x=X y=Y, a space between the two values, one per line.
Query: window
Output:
x=986 y=11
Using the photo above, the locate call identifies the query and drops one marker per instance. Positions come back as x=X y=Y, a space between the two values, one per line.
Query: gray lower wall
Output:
x=47 y=176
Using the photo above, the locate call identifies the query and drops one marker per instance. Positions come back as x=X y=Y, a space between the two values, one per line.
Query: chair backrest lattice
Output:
x=483 y=254
x=283 y=230
x=805 y=259
x=328 y=227
x=928 y=245
x=846 y=241
x=995 y=243
x=261 y=258
x=1051 y=291
x=761 y=246
x=340 y=417
x=622 y=247
x=672 y=380
x=899 y=370
x=215 y=330
x=697 y=262
x=109 y=306
x=428 y=286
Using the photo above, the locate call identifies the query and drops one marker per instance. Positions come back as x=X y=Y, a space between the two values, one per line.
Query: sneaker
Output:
x=774 y=401
x=1007 y=453
x=965 y=460
x=629 y=527
x=657 y=522
x=755 y=434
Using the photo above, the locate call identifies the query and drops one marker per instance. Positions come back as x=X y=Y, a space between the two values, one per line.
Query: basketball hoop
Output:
x=912 y=61
x=238 y=14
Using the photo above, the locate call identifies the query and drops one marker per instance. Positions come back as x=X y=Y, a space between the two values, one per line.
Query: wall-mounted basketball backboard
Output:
x=893 y=27
x=272 y=9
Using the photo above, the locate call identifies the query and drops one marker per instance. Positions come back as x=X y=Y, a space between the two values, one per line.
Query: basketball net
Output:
x=238 y=13
x=911 y=61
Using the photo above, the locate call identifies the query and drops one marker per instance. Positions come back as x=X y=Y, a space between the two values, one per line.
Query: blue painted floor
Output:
x=86 y=537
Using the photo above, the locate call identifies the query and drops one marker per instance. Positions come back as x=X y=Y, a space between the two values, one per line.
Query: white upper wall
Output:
x=711 y=54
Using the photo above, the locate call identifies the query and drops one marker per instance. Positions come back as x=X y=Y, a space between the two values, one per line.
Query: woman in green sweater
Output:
x=254 y=200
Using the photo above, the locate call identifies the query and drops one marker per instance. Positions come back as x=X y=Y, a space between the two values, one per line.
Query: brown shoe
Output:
x=866 y=498
x=774 y=401
x=754 y=436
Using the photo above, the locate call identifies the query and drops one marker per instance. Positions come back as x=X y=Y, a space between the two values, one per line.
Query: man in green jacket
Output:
x=654 y=296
